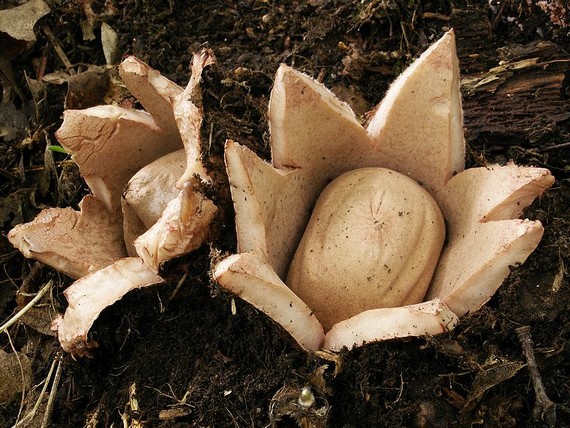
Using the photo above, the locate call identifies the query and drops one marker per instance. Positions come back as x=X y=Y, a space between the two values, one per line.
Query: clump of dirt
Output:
x=193 y=355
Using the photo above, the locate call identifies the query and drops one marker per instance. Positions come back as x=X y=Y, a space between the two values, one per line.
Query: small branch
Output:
x=58 y=49
x=26 y=308
x=431 y=15
x=497 y=19
x=7 y=174
x=544 y=408
x=33 y=412
x=555 y=147
x=52 y=393
x=23 y=377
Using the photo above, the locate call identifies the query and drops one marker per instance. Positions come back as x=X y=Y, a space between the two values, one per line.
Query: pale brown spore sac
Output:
x=373 y=241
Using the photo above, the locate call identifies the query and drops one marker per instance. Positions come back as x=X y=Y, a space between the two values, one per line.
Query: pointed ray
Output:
x=188 y=113
x=426 y=318
x=309 y=125
x=155 y=92
x=489 y=194
x=479 y=204
x=183 y=226
x=110 y=144
x=73 y=242
x=91 y=294
x=251 y=277
x=270 y=211
x=474 y=264
x=418 y=127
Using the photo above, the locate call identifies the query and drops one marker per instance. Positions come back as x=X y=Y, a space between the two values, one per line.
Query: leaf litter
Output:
x=228 y=367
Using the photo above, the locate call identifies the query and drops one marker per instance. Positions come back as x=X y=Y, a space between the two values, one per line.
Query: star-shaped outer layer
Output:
x=163 y=214
x=110 y=144
x=417 y=130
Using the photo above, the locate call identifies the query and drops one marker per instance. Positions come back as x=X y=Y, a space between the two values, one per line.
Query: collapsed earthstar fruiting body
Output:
x=135 y=209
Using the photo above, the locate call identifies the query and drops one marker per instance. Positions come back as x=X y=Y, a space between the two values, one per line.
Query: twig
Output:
x=26 y=308
x=58 y=49
x=22 y=401
x=497 y=19
x=544 y=409
x=7 y=174
x=46 y=382
x=28 y=283
x=551 y=148
x=173 y=294
x=52 y=393
x=431 y=15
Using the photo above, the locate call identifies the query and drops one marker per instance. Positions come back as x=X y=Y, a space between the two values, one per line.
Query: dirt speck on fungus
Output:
x=177 y=356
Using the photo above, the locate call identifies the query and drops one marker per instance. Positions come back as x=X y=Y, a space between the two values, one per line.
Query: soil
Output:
x=177 y=357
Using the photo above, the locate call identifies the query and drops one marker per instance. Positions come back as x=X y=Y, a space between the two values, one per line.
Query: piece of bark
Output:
x=512 y=93
x=523 y=98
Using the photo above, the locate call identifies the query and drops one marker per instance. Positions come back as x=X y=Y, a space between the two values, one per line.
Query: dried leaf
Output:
x=38 y=90
x=13 y=208
x=17 y=25
x=559 y=277
x=15 y=375
x=109 y=40
x=174 y=413
x=13 y=122
x=88 y=24
x=489 y=378
x=40 y=319
x=86 y=89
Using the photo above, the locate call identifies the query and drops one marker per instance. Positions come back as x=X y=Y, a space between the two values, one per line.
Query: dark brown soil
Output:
x=188 y=353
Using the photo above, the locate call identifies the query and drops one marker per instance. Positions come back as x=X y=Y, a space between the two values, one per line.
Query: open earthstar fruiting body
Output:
x=145 y=171
x=416 y=132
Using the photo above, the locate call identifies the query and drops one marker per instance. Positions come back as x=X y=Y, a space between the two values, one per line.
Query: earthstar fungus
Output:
x=145 y=172
x=352 y=234
x=368 y=264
